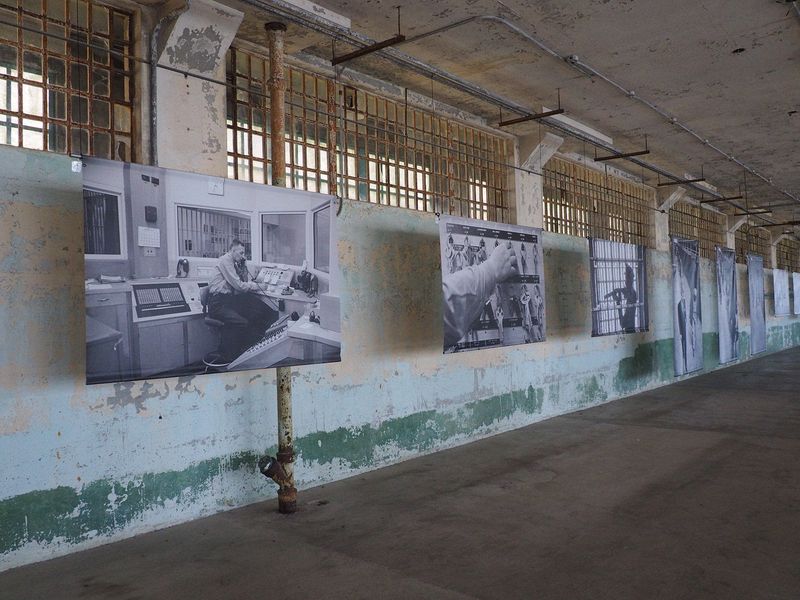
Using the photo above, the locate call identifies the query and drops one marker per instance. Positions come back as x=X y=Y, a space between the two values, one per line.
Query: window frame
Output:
x=123 y=247
x=261 y=214
x=314 y=213
x=88 y=59
x=204 y=260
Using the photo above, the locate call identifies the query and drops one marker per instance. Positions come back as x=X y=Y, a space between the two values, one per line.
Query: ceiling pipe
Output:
x=321 y=25
x=575 y=62
x=582 y=67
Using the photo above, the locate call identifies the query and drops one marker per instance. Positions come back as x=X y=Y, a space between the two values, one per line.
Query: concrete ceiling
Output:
x=729 y=70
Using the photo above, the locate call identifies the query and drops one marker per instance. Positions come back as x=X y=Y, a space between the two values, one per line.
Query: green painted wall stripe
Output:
x=76 y=515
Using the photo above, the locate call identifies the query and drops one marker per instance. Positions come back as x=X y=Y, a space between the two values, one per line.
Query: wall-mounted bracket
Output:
x=536 y=116
x=721 y=199
x=368 y=50
x=392 y=41
x=622 y=154
x=680 y=182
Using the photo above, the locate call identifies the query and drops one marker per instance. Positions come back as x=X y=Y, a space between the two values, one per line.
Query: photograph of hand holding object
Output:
x=492 y=284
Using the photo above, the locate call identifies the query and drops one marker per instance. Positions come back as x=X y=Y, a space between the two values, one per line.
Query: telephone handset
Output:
x=182 y=269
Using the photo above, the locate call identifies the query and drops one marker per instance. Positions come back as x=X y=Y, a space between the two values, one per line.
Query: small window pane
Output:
x=55 y=41
x=30 y=38
x=80 y=109
x=9 y=130
x=80 y=141
x=32 y=65
x=101 y=145
x=208 y=233
x=56 y=10
x=283 y=238
x=33 y=100
x=99 y=19
x=56 y=105
x=322 y=240
x=56 y=138
x=33 y=134
x=101 y=114
x=100 y=85
x=56 y=72
x=80 y=77
x=9 y=96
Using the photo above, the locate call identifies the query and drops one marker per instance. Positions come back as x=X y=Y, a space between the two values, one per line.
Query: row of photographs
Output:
x=188 y=274
x=493 y=291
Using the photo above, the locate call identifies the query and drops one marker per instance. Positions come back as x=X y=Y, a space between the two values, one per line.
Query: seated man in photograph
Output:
x=231 y=301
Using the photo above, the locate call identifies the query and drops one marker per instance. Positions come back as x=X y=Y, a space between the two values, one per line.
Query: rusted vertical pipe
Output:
x=287 y=493
x=333 y=108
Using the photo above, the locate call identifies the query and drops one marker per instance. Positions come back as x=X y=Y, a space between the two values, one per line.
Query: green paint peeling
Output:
x=744 y=345
x=710 y=351
x=590 y=392
x=783 y=336
x=102 y=507
x=651 y=362
x=418 y=432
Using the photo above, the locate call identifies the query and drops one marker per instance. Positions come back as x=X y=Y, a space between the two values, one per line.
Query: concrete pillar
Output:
x=666 y=200
x=190 y=113
x=527 y=183
x=733 y=224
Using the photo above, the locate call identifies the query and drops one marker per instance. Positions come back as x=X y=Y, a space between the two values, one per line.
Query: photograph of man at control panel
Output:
x=190 y=274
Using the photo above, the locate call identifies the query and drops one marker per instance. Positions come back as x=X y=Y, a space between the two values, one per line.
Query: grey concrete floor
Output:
x=688 y=491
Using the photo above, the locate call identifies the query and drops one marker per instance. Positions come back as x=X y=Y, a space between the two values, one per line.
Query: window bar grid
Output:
x=57 y=93
x=753 y=240
x=582 y=202
x=387 y=153
x=692 y=222
x=788 y=255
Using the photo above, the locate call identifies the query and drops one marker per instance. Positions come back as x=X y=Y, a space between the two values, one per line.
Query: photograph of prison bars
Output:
x=619 y=287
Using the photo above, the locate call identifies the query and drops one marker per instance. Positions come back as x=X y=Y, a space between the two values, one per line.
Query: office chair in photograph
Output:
x=216 y=359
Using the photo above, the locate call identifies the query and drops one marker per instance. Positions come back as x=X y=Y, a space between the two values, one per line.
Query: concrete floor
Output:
x=688 y=491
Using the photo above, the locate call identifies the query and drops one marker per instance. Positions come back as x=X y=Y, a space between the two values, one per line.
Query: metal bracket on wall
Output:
x=536 y=117
x=392 y=41
x=622 y=154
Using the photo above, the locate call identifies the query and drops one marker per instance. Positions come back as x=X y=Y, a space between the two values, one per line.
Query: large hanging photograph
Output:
x=780 y=288
x=796 y=292
x=688 y=327
x=619 y=287
x=189 y=274
x=758 y=321
x=492 y=284
x=727 y=305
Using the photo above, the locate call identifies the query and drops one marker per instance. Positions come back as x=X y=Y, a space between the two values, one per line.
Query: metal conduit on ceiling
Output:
x=313 y=22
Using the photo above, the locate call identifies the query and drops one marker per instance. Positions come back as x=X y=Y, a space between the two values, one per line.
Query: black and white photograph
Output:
x=687 y=313
x=619 y=287
x=796 y=293
x=189 y=274
x=780 y=289
x=492 y=284
x=758 y=320
x=727 y=305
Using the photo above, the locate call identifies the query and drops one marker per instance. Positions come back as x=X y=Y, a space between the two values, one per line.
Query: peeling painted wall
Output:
x=86 y=465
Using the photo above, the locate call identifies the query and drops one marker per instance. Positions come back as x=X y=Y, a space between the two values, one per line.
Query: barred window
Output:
x=788 y=255
x=66 y=77
x=582 y=202
x=307 y=133
x=689 y=221
x=386 y=152
x=753 y=240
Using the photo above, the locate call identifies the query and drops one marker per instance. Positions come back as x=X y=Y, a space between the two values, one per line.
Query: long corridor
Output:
x=688 y=491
